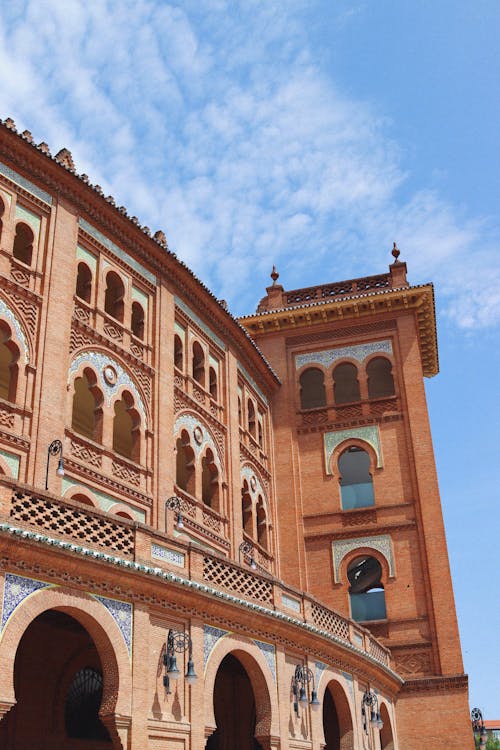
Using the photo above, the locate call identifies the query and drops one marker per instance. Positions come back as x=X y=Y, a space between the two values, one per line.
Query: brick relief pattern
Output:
x=413 y=663
x=81 y=313
x=126 y=473
x=236 y=580
x=329 y=621
x=71 y=522
x=6 y=418
x=86 y=453
x=19 y=275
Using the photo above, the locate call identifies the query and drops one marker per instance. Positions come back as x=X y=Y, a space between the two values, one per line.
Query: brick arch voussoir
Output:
x=100 y=625
x=261 y=679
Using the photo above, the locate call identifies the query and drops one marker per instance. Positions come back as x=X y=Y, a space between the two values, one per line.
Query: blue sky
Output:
x=309 y=134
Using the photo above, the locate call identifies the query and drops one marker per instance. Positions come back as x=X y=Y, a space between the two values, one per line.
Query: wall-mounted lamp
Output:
x=301 y=678
x=174 y=503
x=246 y=549
x=55 y=448
x=370 y=700
x=177 y=642
x=478 y=727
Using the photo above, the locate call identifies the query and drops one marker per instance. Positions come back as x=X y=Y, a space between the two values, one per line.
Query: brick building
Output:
x=257 y=498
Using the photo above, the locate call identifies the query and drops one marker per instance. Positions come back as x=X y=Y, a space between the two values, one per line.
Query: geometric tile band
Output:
x=16 y=589
x=328 y=356
x=269 y=655
x=210 y=637
x=100 y=362
x=380 y=543
x=26 y=184
x=121 y=612
x=369 y=434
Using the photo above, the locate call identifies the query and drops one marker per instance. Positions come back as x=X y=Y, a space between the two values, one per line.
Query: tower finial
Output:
x=396 y=252
x=274 y=275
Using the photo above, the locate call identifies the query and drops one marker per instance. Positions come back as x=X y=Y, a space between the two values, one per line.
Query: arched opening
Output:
x=122 y=514
x=126 y=428
x=58 y=680
x=185 y=464
x=209 y=481
x=337 y=721
x=246 y=510
x=114 y=296
x=386 y=738
x=84 y=282
x=9 y=355
x=262 y=531
x=86 y=417
x=251 y=417
x=240 y=411
x=212 y=383
x=2 y=211
x=380 y=378
x=366 y=591
x=345 y=383
x=260 y=429
x=234 y=709
x=356 y=484
x=83 y=499
x=137 y=322
x=312 y=388
x=198 y=364
x=178 y=353
x=23 y=243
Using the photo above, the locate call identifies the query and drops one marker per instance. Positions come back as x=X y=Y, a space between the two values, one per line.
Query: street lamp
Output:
x=370 y=700
x=246 y=548
x=177 y=642
x=301 y=678
x=55 y=448
x=174 y=503
x=478 y=727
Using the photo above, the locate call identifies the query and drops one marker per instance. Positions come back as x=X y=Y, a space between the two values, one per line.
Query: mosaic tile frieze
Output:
x=350 y=682
x=290 y=603
x=369 y=434
x=111 y=376
x=16 y=590
x=138 y=267
x=8 y=314
x=30 y=218
x=12 y=462
x=26 y=184
x=380 y=543
x=319 y=668
x=211 y=636
x=255 y=487
x=327 y=357
x=269 y=653
x=201 y=437
x=158 y=552
x=121 y=612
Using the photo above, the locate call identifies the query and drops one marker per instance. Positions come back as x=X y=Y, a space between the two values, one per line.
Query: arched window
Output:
x=260 y=431
x=345 y=383
x=178 y=353
x=209 y=481
x=212 y=379
x=356 y=485
x=81 y=710
x=380 y=379
x=23 y=243
x=9 y=355
x=262 y=531
x=198 y=364
x=86 y=418
x=84 y=282
x=185 y=464
x=83 y=499
x=114 y=296
x=126 y=428
x=251 y=417
x=366 y=591
x=240 y=412
x=137 y=323
x=312 y=389
x=2 y=211
x=246 y=510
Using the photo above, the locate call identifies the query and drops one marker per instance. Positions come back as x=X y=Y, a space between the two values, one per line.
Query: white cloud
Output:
x=215 y=122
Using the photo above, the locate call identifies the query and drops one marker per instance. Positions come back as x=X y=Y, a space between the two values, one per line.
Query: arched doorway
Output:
x=234 y=708
x=58 y=682
x=337 y=721
x=386 y=738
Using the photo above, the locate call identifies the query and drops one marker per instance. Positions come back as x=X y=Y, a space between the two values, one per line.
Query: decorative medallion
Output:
x=253 y=483
x=198 y=434
x=202 y=438
x=110 y=375
x=248 y=473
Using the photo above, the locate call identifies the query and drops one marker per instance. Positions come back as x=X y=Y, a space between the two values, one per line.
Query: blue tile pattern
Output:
x=319 y=668
x=169 y=555
x=16 y=589
x=210 y=637
x=350 y=683
x=121 y=613
x=369 y=434
x=269 y=653
x=26 y=184
x=358 y=352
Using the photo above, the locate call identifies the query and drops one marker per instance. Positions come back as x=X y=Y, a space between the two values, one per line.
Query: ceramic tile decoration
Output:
x=380 y=543
x=254 y=485
x=358 y=352
x=16 y=589
x=169 y=555
x=121 y=613
x=12 y=462
x=196 y=319
x=201 y=436
x=319 y=668
x=290 y=603
x=269 y=653
x=369 y=434
x=350 y=682
x=210 y=637
x=26 y=184
x=117 y=250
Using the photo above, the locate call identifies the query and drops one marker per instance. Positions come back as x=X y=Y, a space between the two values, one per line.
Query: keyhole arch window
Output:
x=345 y=383
x=380 y=378
x=127 y=428
x=87 y=407
x=210 y=480
x=137 y=320
x=366 y=589
x=247 y=509
x=185 y=463
x=312 y=388
x=23 y=243
x=83 y=288
x=2 y=211
x=198 y=364
x=114 y=296
x=262 y=523
x=355 y=478
x=9 y=367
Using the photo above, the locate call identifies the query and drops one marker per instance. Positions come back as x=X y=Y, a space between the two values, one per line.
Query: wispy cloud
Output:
x=215 y=122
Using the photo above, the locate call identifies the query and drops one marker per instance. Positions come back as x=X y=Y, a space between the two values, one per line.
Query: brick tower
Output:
x=359 y=515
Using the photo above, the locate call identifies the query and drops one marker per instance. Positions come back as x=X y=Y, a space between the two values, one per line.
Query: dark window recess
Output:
x=81 y=711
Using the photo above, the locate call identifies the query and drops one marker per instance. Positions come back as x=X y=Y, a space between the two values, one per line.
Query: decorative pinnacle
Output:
x=274 y=275
x=396 y=252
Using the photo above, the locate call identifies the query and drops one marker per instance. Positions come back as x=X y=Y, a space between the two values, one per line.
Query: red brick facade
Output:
x=111 y=345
